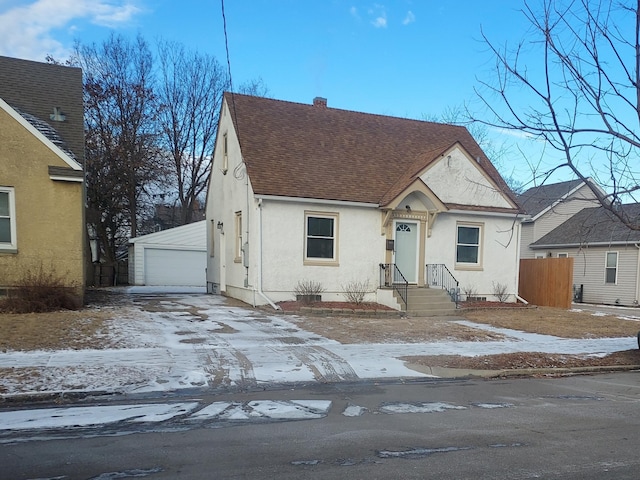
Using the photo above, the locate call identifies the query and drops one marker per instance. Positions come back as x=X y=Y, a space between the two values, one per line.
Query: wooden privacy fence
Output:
x=547 y=282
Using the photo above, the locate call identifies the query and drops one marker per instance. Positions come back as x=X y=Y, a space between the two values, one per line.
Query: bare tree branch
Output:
x=574 y=83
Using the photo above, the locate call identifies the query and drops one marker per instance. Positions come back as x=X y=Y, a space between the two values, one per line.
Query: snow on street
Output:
x=188 y=341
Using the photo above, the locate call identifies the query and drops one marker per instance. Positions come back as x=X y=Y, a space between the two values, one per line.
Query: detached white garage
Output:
x=174 y=257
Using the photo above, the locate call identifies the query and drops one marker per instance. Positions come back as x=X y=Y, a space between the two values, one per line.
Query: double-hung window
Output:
x=321 y=238
x=611 y=268
x=7 y=219
x=469 y=245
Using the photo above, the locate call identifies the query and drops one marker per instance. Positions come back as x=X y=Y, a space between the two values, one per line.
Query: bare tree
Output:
x=190 y=93
x=122 y=158
x=582 y=97
x=255 y=87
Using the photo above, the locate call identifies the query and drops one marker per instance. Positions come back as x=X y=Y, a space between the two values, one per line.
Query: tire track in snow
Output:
x=221 y=361
x=325 y=365
x=219 y=358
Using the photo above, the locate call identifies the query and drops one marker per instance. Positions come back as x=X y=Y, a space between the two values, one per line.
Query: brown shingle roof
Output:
x=595 y=225
x=37 y=88
x=300 y=150
x=536 y=199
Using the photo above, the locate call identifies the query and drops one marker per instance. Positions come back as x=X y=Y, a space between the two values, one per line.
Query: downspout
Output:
x=638 y=274
x=260 y=292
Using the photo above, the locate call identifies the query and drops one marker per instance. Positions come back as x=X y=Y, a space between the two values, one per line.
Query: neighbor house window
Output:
x=238 y=229
x=611 y=267
x=320 y=237
x=563 y=255
x=468 y=245
x=7 y=219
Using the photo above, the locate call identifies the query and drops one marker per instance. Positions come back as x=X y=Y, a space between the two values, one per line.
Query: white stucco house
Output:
x=173 y=257
x=303 y=192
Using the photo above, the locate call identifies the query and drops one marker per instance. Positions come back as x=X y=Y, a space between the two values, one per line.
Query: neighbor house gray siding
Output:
x=589 y=270
x=556 y=215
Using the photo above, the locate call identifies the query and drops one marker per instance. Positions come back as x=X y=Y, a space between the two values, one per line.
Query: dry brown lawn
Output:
x=66 y=329
x=543 y=320
x=557 y=322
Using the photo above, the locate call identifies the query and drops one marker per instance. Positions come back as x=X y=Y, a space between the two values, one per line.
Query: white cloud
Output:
x=354 y=13
x=29 y=30
x=409 y=18
x=380 y=22
x=380 y=16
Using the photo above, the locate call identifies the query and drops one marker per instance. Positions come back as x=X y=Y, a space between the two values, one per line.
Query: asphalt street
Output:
x=573 y=427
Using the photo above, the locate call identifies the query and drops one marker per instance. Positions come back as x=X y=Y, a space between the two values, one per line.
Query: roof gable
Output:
x=307 y=151
x=192 y=234
x=536 y=201
x=458 y=179
x=45 y=133
x=595 y=225
x=42 y=89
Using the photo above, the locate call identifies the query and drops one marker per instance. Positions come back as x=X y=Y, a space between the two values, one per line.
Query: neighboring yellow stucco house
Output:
x=41 y=195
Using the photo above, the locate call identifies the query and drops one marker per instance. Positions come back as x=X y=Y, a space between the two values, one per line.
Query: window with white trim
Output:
x=321 y=237
x=238 y=232
x=611 y=268
x=468 y=244
x=563 y=255
x=7 y=219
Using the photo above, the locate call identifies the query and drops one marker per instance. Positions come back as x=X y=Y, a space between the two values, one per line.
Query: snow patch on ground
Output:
x=87 y=416
x=427 y=407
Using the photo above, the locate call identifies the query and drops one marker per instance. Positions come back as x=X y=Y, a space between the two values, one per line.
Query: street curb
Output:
x=530 y=372
x=60 y=398
x=54 y=397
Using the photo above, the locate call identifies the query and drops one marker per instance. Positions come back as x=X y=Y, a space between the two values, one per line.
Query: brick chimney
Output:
x=320 y=102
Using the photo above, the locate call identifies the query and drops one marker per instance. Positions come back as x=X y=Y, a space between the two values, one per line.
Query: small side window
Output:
x=611 y=268
x=7 y=220
x=238 y=229
x=225 y=153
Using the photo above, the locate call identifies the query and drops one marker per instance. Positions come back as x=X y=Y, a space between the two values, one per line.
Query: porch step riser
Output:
x=427 y=302
x=431 y=313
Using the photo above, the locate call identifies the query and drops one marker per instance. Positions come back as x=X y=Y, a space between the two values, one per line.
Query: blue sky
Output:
x=408 y=58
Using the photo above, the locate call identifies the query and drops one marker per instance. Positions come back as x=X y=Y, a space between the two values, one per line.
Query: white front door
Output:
x=406 y=250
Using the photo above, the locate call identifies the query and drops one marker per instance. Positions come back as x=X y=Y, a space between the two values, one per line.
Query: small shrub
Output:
x=39 y=291
x=469 y=292
x=500 y=291
x=355 y=291
x=308 y=291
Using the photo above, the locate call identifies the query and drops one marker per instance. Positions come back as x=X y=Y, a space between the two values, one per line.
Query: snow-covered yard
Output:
x=196 y=340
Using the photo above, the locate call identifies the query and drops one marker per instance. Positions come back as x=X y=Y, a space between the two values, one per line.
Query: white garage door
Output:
x=174 y=267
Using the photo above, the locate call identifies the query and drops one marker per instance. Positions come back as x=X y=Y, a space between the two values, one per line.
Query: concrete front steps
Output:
x=427 y=302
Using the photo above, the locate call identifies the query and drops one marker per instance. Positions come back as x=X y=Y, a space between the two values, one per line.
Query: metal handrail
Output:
x=391 y=276
x=438 y=275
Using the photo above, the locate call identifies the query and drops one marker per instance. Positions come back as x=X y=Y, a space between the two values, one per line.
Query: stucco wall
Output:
x=49 y=216
x=456 y=170
x=361 y=248
x=228 y=193
x=499 y=250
